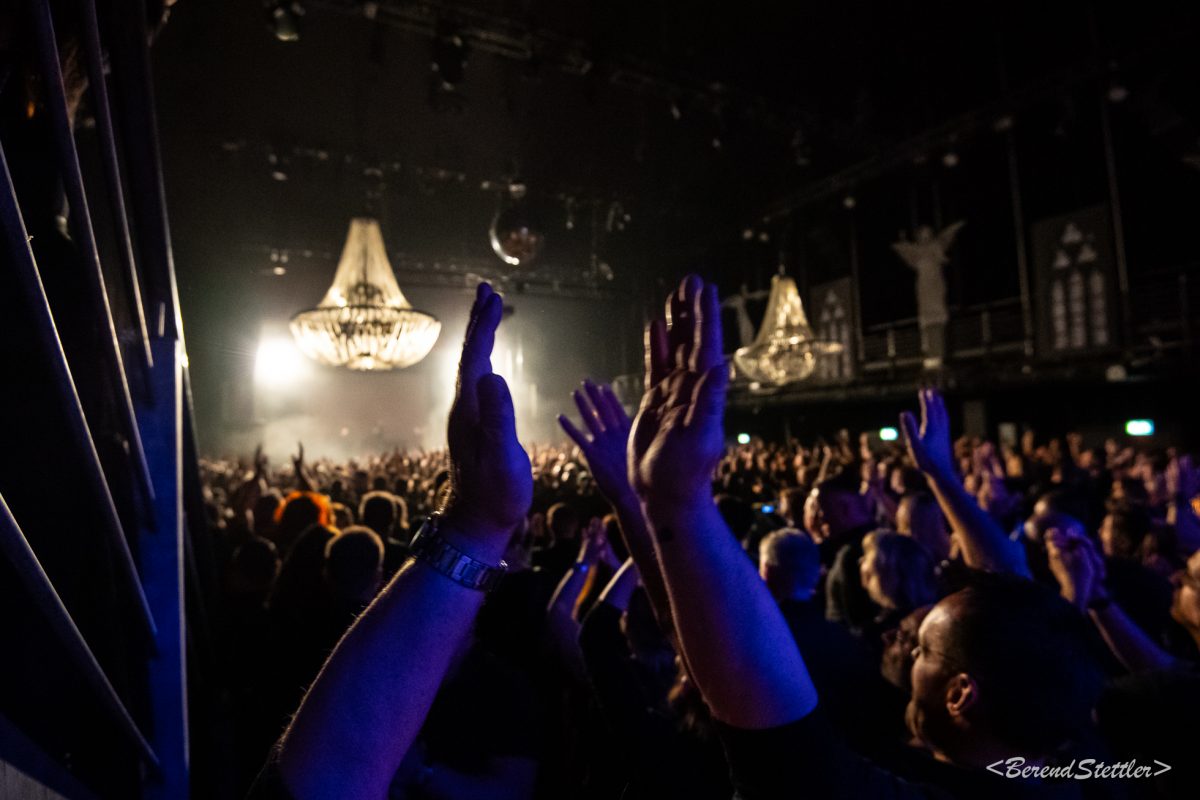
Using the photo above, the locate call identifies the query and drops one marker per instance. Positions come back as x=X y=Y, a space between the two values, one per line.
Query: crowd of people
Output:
x=681 y=617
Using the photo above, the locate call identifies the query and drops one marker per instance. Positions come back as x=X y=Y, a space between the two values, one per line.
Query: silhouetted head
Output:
x=563 y=522
x=898 y=646
x=1123 y=531
x=254 y=568
x=920 y=517
x=790 y=564
x=1002 y=668
x=377 y=511
x=896 y=571
x=839 y=506
x=354 y=564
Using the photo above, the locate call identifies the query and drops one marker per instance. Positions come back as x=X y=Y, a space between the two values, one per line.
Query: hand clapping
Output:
x=678 y=438
x=490 y=472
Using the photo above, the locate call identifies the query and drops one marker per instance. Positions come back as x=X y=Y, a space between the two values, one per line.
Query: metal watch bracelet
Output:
x=431 y=548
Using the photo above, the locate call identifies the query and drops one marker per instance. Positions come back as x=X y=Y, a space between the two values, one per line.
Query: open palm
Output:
x=929 y=443
x=677 y=437
x=605 y=443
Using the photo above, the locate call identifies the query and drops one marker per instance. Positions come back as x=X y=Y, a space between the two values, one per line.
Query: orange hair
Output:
x=324 y=510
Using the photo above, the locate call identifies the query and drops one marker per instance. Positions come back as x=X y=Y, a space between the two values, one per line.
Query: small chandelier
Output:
x=364 y=321
x=785 y=350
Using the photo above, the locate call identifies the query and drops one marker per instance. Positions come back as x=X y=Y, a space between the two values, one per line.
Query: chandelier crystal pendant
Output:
x=364 y=321
x=785 y=350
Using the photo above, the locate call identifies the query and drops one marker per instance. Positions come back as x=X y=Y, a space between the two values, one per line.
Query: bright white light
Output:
x=889 y=434
x=1140 y=427
x=743 y=438
x=277 y=363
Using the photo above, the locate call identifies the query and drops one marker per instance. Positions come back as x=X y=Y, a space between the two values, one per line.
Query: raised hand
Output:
x=491 y=477
x=604 y=446
x=677 y=437
x=1182 y=478
x=593 y=542
x=302 y=480
x=929 y=444
x=1076 y=565
x=375 y=691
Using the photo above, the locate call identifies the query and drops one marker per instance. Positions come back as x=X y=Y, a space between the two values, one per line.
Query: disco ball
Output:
x=514 y=237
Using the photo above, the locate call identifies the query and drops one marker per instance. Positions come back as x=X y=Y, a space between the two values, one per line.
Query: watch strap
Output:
x=431 y=548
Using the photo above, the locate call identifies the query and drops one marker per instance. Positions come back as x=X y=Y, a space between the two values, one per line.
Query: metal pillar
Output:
x=162 y=557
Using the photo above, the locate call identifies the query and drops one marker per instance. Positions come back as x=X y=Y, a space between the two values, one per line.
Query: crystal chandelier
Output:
x=364 y=321
x=785 y=350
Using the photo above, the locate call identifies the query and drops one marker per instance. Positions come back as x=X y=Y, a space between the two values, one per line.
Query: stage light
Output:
x=743 y=438
x=1139 y=427
x=889 y=434
x=284 y=20
x=277 y=363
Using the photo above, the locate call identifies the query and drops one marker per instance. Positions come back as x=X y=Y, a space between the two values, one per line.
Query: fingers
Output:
x=497 y=420
x=912 y=432
x=937 y=408
x=614 y=406
x=477 y=346
x=708 y=398
x=600 y=403
x=708 y=344
x=923 y=397
x=577 y=436
x=482 y=292
x=682 y=307
x=587 y=413
x=658 y=352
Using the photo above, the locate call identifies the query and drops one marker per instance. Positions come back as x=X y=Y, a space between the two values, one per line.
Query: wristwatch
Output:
x=432 y=548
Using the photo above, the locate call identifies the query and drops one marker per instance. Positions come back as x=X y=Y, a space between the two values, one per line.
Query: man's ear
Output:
x=962 y=692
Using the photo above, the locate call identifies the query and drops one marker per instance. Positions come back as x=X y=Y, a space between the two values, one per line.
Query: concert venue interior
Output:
x=529 y=400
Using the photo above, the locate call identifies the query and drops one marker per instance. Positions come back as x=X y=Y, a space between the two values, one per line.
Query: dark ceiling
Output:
x=696 y=120
x=693 y=117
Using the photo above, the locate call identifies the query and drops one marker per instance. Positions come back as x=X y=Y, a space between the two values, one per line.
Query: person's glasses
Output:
x=918 y=649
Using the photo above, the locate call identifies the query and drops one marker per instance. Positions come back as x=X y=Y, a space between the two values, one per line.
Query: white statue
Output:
x=738 y=303
x=926 y=254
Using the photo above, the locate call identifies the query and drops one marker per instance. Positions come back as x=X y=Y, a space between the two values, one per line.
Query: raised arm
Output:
x=361 y=715
x=566 y=595
x=1079 y=569
x=302 y=480
x=561 y=622
x=735 y=640
x=984 y=543
x=1183 y=483
x=604 y=446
